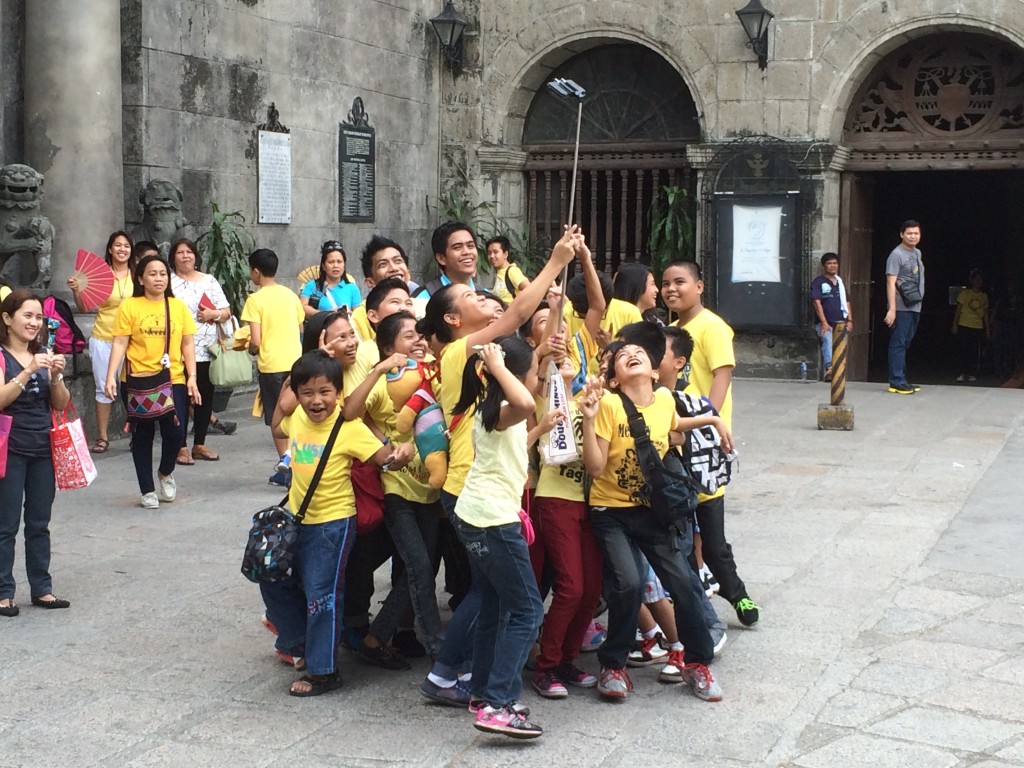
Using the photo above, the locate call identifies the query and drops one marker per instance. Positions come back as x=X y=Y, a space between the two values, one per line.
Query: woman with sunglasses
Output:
x=334 y=288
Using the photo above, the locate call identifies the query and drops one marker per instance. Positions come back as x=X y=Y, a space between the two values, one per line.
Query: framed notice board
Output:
x=357 y=194
x=759 y=271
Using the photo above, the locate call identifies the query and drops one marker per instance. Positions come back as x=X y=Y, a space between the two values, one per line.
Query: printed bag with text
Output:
x=73 y=466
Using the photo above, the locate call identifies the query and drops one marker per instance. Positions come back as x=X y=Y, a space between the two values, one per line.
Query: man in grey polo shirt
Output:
x=904 y=268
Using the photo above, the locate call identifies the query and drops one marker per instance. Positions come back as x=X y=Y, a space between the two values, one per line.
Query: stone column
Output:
x=73 y=122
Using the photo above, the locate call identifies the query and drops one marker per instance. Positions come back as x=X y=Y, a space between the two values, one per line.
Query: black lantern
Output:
x=449 y=26
x=755 y=19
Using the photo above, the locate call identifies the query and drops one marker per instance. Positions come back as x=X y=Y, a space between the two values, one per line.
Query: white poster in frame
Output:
x=756 y=234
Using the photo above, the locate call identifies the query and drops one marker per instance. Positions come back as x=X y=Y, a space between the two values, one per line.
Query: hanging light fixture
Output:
x=449 y=26
x=755 y=19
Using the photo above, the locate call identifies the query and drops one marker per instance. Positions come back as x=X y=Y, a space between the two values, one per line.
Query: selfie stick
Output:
x=565 y=88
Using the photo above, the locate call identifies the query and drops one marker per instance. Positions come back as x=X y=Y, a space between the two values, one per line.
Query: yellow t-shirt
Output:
x=493 y=491
x=106 y=313
x=460 y=443
x=712 y=348
x=514 y=276
x=562 y=481
x=618 y=314
x=362 y=324
x=144 y=322
x=367 y=356
x=973 y=308
x=622 y=482
x=280 y=316
x=409 y=482
x=333 y=498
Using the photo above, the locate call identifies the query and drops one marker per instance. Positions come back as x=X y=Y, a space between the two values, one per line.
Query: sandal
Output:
x=318 y=685
x=202 y=453
x=100 y=446
x=184 y=459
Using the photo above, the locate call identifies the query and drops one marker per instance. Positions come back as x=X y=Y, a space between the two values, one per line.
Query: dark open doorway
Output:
x=969 y=219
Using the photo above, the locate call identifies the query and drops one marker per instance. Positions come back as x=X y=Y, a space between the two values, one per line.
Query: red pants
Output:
x=576 y=559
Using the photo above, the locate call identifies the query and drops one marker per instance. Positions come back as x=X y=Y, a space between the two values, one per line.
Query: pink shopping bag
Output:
x=5 y=434
x=72 y=462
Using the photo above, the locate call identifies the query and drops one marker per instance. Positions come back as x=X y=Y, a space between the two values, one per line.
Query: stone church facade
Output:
x=862 y=103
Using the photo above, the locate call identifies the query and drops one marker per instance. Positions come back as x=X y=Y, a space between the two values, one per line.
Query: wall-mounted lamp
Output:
x=755 y=19
x=449 y=26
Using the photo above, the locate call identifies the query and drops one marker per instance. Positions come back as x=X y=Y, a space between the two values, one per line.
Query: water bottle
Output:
x=803 y=370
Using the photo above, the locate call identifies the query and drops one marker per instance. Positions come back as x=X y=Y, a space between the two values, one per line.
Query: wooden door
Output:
x=855 y=238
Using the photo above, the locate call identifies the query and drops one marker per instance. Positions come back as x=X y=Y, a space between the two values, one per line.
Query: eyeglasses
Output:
x=332 y=245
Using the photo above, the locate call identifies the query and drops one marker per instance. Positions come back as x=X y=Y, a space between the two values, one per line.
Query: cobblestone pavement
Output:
x=887 y=562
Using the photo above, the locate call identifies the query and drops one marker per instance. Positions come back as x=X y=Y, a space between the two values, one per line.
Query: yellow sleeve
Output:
x=356 y=439
x=123 y=320
x=607 y=418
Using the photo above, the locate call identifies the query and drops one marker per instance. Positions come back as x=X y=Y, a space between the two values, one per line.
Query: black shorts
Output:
x=270 y=390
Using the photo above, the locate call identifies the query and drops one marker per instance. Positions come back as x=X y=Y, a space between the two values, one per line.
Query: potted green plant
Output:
x=672 y=234
x=225 y=247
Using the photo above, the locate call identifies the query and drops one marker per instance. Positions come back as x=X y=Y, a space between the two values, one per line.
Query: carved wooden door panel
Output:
x=855 y=237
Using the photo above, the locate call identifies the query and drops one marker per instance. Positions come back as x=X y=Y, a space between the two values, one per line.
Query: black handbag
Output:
x=151 y=396
x=668 y=488
x=270 y=549
x=910 y=288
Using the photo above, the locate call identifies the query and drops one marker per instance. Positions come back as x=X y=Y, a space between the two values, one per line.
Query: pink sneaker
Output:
x=293 y=661
x=506 y=721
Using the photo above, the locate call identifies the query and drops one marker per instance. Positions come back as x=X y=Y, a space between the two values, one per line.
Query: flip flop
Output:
x=318 y=685
x=100 y=446
x=184 y=459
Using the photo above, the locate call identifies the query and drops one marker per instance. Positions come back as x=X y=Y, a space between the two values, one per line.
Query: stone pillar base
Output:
x=835 y=417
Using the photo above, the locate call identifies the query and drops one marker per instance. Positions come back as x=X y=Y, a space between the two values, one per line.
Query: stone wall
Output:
x=199 y=76
x=12 y=90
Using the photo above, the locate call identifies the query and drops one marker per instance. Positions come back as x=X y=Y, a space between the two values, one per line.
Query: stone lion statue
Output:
x=23 y=231
x=162 y=219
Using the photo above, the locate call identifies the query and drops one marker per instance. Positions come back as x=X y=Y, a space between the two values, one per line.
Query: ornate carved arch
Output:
x=954 y=100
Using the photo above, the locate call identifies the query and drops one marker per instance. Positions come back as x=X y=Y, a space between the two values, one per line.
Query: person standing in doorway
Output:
x=831 y=306
x=972 y=325
x=904 y=295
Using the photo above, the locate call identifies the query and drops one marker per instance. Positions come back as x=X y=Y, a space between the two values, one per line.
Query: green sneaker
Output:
x=747 y=611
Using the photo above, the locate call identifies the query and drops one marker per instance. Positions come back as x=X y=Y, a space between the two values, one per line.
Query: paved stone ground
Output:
x=887 y=561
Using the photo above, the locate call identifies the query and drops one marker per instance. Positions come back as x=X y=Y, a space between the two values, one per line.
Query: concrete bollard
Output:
x=836 y=414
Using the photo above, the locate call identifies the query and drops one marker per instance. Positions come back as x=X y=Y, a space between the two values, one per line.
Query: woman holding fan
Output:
x=118 y=256
x=205 y=299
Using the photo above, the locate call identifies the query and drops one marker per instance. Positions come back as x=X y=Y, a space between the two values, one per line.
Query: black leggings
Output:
x=201 y=413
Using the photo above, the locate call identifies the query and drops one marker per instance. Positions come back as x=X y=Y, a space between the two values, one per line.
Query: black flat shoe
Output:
x=57 y=602
x=10 y=610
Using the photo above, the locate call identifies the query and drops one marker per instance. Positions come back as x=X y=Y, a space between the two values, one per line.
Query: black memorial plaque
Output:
x=356 y=165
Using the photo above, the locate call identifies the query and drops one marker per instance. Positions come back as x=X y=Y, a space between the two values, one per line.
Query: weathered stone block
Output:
x=837 y=417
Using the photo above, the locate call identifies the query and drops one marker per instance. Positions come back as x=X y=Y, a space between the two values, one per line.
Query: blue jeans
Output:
x=623 y=534
x=29 y=478
x=826 y=346
x=511 y=610
x=456 y=652
x=143 y=433
x=413 y=528
x=901 y=334
x=306 y=607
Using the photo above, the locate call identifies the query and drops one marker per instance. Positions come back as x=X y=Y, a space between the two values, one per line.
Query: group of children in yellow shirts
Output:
x=596 y=532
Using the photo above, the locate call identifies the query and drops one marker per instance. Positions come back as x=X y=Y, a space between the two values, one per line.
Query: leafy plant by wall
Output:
x=672 y=231
x=225 y=247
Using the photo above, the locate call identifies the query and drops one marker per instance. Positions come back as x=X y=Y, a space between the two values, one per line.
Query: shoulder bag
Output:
x=6 y=422
x=270 y=548
x=229 y=367
x=669 y=490
x=152 y=396
x=910 y=287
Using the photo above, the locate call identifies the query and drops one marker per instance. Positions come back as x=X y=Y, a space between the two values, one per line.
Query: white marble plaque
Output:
x=275 y=178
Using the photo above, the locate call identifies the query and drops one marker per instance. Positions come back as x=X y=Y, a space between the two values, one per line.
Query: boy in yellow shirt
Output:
x=275 y=316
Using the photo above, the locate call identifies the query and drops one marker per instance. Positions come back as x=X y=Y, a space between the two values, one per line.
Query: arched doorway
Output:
x=638 y=118
x=936 y=133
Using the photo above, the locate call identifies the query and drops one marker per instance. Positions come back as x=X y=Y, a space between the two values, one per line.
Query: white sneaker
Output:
x=721 y=643
x=961 y=377
x=149 y=501
x=972 y=378
x=168 y=488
